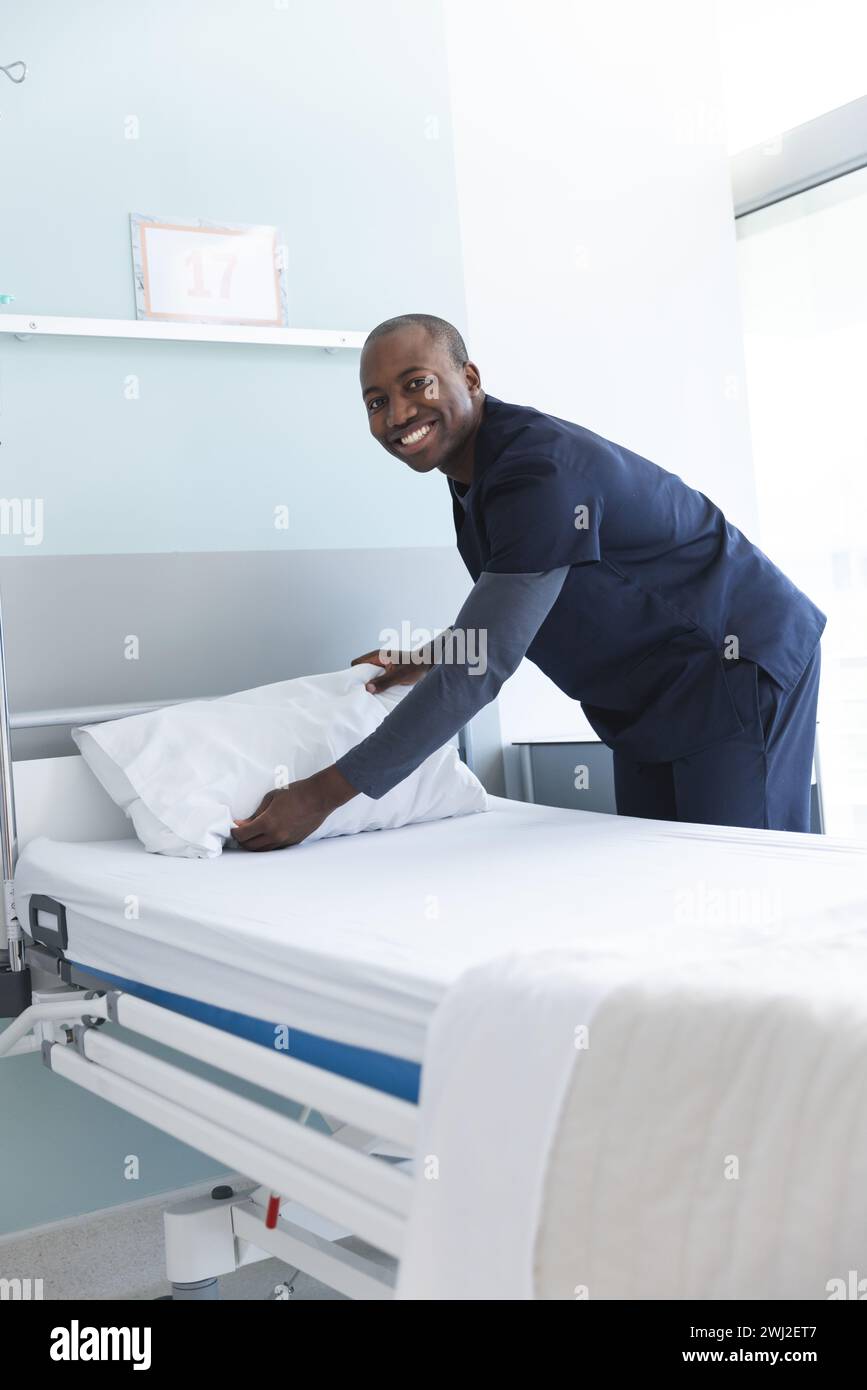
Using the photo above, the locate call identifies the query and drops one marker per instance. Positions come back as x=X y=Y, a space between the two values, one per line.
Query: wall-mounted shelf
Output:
x=44 y=326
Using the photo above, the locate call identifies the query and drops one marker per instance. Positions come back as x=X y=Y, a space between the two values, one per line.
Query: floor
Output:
x=118 y=1255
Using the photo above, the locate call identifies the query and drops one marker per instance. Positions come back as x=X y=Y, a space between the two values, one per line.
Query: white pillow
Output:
x=184 y=774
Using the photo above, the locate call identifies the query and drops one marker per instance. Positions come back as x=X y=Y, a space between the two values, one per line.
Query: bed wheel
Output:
x=186 y=1293
x=183 y=1292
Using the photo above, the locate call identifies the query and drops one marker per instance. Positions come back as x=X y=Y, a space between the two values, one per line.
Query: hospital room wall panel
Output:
x=157 y=446
x=210 y=624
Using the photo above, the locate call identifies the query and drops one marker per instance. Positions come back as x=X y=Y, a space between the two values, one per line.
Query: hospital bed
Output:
x=313 y=974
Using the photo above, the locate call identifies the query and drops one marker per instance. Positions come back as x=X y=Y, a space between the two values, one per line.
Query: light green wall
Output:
x=329 y=119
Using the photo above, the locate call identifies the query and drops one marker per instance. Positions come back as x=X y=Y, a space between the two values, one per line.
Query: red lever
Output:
x=272 y=1213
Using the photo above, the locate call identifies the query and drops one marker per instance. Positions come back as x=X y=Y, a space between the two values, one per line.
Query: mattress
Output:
x=356 y=939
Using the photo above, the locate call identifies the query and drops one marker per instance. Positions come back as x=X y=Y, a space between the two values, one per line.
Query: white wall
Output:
x=599 y=244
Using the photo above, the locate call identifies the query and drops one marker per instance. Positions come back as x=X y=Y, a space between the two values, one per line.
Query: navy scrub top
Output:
x=659 y=585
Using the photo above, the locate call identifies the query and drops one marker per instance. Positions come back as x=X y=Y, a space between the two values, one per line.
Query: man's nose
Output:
x=400 y=414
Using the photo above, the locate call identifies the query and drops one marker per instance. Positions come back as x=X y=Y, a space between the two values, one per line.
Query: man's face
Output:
x=420 y=407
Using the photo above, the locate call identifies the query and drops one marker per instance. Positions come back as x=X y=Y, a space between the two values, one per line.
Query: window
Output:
x=803 y=277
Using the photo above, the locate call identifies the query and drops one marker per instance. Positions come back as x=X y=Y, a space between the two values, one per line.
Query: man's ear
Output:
x=473 y=378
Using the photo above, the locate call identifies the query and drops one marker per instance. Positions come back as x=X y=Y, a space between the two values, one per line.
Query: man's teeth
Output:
x=416 y=435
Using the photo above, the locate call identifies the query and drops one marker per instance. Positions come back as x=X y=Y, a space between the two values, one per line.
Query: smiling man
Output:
x=694 y=658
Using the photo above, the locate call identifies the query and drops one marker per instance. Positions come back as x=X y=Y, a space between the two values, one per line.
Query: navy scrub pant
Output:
x=758 y=778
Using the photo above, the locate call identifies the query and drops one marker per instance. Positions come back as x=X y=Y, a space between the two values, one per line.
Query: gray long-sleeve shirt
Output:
x=484 y=646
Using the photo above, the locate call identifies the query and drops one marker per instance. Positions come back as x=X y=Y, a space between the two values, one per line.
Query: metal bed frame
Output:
x=344 y=1176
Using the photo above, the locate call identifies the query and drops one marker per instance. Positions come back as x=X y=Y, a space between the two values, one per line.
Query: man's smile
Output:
x=415 y=439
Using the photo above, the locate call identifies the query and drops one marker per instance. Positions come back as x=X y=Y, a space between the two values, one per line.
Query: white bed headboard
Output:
x=61 y=798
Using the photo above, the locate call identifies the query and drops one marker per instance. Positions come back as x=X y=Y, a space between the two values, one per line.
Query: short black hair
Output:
x=443 y=333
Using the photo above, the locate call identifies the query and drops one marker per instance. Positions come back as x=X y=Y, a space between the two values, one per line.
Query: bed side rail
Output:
x=354 y=1189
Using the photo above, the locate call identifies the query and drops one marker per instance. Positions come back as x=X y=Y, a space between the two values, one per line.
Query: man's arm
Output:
x=471 y=660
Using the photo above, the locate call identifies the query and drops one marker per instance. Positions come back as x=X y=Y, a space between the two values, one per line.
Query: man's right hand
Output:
x=402 y=672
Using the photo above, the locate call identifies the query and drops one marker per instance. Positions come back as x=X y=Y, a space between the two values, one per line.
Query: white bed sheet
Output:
x=358 y=938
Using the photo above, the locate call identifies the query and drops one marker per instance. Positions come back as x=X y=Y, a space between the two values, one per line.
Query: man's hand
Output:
x=401 y=672
x=288 y=816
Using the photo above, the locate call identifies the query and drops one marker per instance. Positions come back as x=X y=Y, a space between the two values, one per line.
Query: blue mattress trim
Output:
x=394 y=1075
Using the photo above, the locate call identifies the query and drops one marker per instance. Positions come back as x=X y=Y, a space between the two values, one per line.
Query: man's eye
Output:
x=420 y=381
x=375 y=403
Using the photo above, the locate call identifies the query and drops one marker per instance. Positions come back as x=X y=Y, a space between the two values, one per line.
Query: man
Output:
x=694 y=658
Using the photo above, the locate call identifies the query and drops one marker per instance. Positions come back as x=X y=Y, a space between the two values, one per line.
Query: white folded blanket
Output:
x=709 y=1141
x=499 y=1055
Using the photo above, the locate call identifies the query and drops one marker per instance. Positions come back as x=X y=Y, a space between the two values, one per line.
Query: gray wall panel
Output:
x=211 y=623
